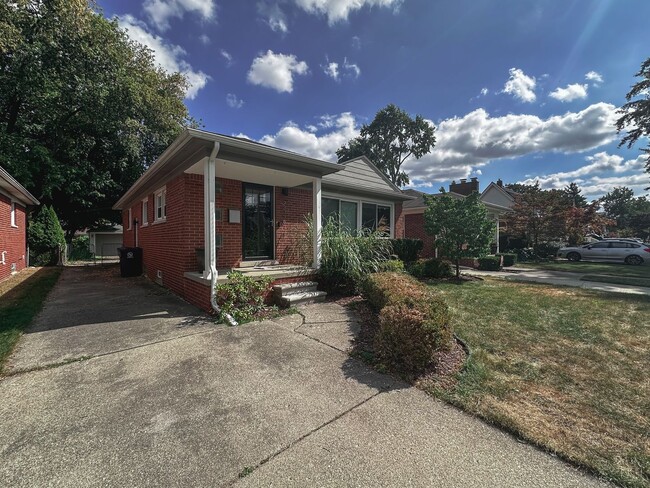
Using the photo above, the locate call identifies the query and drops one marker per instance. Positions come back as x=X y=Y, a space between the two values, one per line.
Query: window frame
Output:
x=145 y=212
x=13 y=219
x=359 y=202
x=162 y=193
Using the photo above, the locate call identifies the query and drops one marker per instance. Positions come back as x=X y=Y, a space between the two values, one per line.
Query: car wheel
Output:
x=634 y=260
x=573 y=256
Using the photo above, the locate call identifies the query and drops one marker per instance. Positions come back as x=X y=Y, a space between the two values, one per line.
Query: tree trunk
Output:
x=457 y=268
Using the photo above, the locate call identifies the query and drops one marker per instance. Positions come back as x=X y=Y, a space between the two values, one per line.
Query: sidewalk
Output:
x=560 y=278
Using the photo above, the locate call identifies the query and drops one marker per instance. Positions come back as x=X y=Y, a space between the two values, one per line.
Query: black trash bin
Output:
x=130 y=261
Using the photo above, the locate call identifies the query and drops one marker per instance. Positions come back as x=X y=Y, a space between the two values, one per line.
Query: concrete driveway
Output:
x=158 y=396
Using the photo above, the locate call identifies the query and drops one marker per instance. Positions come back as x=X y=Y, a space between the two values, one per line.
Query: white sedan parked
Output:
x=627 y=251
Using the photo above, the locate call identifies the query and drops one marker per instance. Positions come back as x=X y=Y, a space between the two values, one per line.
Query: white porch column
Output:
x=317 y=225
x=209 y=205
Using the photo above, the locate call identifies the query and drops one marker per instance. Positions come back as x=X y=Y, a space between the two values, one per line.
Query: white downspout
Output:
x=209 y=176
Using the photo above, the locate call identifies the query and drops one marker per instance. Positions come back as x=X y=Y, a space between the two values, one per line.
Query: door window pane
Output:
x=329 y=210
x=369 y=216
x=349 y=216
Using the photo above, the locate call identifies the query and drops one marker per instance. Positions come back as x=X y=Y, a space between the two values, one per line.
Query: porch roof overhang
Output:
x=15 y=190
x=194 y=145
x=393 y=196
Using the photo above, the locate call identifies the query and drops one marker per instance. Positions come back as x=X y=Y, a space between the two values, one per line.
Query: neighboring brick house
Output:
x=257 y=208
x=498 y=200
x=14 y=201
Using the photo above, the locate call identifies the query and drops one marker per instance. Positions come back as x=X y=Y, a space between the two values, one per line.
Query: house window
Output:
x=145 y=212
x=130 y=220
x=161 y=205
x=13 y=214
x=354 y=216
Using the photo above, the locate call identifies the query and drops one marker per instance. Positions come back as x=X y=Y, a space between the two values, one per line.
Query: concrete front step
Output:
x=288 y=288
x=302 y=298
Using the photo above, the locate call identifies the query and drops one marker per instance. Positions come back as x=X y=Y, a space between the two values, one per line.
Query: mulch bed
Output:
x=445 y=365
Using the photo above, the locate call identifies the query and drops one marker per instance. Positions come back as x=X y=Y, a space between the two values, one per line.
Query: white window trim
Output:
x=13 y=215
x=360 y=201
x=130 y=220
x=145 y=212
x=163 y=218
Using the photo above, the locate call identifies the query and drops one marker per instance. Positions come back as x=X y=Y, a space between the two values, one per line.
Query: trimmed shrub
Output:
x=414 y=321
x=45 y=237
x=392 y=265
x=508 y=259
x=489 y=263
x=431 y=268
x=546 y=250
x=80 y=249
x=242 y=296
x=407 y=249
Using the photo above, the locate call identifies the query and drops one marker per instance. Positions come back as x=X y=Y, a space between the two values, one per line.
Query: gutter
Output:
x=209 y=180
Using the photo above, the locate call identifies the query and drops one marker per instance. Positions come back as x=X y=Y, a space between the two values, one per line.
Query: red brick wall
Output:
x=229 y=255
x=414 y=229
x=12 y=239
x=290 y=213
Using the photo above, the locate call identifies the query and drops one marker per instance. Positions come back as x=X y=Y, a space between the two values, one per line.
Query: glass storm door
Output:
x=258 y=222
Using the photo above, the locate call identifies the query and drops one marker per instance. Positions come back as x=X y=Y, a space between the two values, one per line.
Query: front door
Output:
x=258 y=222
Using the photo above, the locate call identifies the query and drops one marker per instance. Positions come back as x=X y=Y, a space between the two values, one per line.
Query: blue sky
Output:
x=521 y=90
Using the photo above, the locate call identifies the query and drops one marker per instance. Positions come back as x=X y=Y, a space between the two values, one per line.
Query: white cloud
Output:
x=233 y=101
x=594 y=77
x=356 y=42
x=484 y=91
x=319 y=141
x=339 y=10
x=332 y=70
x=603 y=172
x=276 y=71
x=472 y=141
x=204 y=39
x=273 y=16
x=227 y=56
x=521 y=86
x=168 y=56
x=570 y=93
x=161 y=11
x=352 y=68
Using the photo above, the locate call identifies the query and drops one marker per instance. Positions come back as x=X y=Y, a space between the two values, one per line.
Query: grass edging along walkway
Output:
x=618 y=280
x=562 y=368
x=20 y=304
x=586 y=267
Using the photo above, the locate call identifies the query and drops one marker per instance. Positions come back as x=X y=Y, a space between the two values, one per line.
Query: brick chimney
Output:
x=464 y=187
x=500 y=182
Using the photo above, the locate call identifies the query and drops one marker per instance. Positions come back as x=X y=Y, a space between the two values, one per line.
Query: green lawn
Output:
x=19 y=304
x=617 y=269
x=564 y=368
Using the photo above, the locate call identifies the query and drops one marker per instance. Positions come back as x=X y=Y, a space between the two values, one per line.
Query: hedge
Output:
x=509 y=259
x=489 y=263
x=431 y=268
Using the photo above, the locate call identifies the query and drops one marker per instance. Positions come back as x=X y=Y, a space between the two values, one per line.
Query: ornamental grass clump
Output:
x=414 y=322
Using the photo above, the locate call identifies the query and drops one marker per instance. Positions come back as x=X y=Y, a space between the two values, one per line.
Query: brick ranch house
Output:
x=497 y=198
x=212 y=203
x=14 y=201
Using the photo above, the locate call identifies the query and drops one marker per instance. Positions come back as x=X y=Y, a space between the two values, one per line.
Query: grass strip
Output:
x=20 y=304
x=618 y=280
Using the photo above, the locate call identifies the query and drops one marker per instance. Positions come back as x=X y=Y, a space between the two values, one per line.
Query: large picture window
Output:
x=357 y=215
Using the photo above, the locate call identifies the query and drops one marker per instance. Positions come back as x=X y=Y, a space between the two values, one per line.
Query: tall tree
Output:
x=83 y=109
x=391 y=138
x=534 y=214
x=574 y=196
x=461 y=226
x=635 y=118
x=628 y=212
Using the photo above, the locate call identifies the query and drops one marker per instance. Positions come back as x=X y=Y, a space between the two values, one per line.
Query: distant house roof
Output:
x=361 y=176
x=418 y=201
x=17 y=191
x=106 y=229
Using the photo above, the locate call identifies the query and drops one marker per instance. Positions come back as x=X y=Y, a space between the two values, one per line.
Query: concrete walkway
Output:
x=560 y=278
x=273 y=403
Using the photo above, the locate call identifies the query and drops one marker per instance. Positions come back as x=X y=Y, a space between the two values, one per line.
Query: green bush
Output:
x=392 y=265
x=347 y=258
x=242 y=296
x=546 y=250
x=45 y=238
x=489 y=263
x=509 y=259
x=431 y=268
x=414 y=322
x=407 y=249
x=80 y=249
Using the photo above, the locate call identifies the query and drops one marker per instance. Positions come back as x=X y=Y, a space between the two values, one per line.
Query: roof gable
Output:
x=362 y=174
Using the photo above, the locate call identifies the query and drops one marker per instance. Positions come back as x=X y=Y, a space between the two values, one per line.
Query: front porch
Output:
x=277 y=272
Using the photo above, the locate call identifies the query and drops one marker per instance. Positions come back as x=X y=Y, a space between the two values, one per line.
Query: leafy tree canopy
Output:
x=391 y=138
x=574 y=196
x=635 y=114
x=630 y=213
x=461 y=226
x=83 y=109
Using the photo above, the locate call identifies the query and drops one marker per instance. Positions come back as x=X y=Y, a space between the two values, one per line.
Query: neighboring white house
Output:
x=104 y=241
